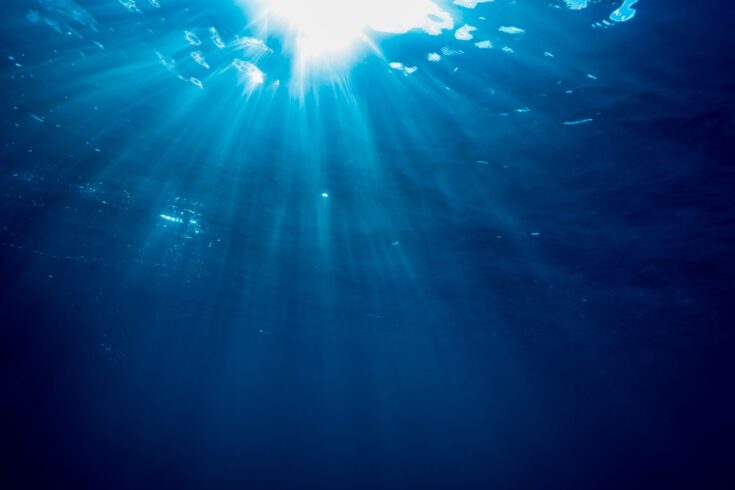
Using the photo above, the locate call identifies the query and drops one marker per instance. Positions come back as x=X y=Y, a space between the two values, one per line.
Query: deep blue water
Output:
x=379 y=278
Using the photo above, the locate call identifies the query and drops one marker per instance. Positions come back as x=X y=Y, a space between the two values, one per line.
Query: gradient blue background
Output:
x=558 y=318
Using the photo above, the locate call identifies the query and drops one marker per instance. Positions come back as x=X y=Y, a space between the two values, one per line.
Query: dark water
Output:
x=386 y=280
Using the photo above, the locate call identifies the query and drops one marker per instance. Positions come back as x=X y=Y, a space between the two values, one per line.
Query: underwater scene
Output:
x=367 y=244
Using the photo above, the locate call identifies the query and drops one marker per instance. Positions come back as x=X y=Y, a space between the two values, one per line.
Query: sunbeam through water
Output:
x=366 y=244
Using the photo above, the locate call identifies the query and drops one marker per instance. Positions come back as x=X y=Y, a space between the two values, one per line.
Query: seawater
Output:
x=482 y=244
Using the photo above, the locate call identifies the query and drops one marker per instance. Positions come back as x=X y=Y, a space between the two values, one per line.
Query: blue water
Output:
x=440 y=263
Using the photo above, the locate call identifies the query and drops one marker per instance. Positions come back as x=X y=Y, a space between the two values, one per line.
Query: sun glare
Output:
x=319 y=30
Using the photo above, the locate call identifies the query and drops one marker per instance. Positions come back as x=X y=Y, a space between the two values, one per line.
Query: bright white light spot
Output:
x=464 y=33
x=318 y=29
x=251 y=76
x=470 y=4
x=512 y=30
x=171 y=219
x=406 y=70
x=325 y=195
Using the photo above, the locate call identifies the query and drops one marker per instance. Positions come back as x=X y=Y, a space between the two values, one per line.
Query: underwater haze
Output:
x=367 y=244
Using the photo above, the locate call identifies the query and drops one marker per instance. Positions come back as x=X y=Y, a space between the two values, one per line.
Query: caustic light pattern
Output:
x=312 y=35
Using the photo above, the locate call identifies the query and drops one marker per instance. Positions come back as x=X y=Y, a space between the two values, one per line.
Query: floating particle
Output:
x=167 y=63
x=199 y=58
x=577 y=4
x=578 y=122
x=216 y=38
x=130 y=5
x=171 y=219
x=464 y=33
x=406 y=70
x=251 y=74
x=196 y=82
x=512 y=30
x=625 y=12
x=192 y=38
x=447 y=51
